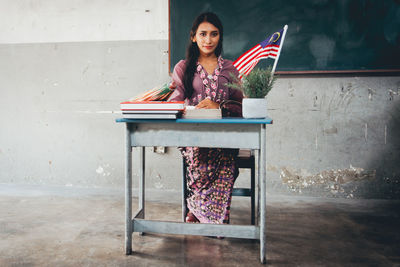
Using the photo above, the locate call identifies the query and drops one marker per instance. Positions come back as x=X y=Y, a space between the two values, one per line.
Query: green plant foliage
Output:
x=255 y=85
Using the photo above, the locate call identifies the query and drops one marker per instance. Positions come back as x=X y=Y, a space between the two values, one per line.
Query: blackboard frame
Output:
x=344 y=72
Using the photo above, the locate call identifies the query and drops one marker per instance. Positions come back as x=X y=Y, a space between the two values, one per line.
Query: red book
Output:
x=152 y=105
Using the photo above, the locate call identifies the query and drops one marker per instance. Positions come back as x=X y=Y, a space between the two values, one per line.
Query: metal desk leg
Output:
x=262 y=180
x=128 y=194
x=258 y=187
x=253 y=193
x=142 y=182
x=184 y=190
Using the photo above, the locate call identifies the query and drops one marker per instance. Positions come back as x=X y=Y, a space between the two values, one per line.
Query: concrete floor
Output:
x=82 y=227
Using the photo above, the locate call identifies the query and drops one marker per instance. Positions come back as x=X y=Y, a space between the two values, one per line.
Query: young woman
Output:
x=200 y=81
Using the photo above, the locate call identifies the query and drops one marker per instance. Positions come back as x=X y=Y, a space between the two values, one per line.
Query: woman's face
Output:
x=207 y=38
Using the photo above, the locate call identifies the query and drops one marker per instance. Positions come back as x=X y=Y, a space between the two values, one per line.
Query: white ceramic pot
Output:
x=254 y=108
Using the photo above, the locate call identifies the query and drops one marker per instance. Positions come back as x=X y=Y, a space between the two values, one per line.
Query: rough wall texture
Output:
x=57 y=104
x=332 y=136
x=336 y=136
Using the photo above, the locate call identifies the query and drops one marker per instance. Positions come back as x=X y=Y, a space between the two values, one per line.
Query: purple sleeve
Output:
x=234 y=94
x=177 y=76
x=230 y=108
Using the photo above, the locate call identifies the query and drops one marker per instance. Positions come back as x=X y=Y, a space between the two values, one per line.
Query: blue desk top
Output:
x=223 y=120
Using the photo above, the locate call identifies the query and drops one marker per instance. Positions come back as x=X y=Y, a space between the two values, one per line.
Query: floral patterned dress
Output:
x=211 y=172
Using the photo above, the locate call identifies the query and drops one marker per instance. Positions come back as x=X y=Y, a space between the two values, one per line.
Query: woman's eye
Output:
x=215 y=34
x=202 y=34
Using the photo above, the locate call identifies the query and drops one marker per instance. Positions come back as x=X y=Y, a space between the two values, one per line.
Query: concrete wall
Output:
x=336 y=136
x=66 y=65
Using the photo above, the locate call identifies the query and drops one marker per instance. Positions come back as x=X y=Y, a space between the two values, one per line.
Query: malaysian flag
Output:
x=269 y=48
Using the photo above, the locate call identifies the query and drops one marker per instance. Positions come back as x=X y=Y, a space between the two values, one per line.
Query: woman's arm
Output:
x=234 y=94
x=177 y=76
x=232 y=107
x=207 y=103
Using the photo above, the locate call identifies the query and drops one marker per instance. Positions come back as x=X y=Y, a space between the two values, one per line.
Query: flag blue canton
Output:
x=274 y=39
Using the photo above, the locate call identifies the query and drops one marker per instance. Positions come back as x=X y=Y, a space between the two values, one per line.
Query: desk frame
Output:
x=227 y=133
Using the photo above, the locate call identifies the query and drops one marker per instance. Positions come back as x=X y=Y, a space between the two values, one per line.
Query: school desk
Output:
x=225 y=133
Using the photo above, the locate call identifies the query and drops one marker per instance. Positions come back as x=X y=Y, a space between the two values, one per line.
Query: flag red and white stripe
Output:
x=269 y=48
x=249 y=60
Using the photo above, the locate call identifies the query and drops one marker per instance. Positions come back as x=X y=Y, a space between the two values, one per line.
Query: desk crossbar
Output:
x=202 y=229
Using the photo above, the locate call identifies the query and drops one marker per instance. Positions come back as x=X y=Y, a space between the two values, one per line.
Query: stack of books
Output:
x=152 y=109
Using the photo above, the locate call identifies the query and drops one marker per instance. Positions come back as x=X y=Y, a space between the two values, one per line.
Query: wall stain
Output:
x=315 y=100
x=347 y=95
x=291 y=90
x=85 y=69
x=158 y=184
x=332 y=130
x=333 y=180
x=392 y=94
x=371 y=92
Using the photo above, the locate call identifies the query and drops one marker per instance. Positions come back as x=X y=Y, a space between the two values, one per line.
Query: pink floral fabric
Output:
x=211 y=173
x=210 y=82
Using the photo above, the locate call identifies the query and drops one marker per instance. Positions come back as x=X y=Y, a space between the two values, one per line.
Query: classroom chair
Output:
x=245 y=160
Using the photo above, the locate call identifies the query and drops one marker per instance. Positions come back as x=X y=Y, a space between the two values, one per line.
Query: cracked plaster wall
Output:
x=335 y=136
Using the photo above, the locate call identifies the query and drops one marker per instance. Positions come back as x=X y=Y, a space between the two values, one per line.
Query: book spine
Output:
x=152 y=107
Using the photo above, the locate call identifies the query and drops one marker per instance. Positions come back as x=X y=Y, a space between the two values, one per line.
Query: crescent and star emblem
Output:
x=274 y=37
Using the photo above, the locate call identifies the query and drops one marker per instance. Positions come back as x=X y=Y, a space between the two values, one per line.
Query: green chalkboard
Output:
x=323 y=35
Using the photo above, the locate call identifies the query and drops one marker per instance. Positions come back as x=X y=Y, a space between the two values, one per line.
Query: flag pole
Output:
x=280 y=49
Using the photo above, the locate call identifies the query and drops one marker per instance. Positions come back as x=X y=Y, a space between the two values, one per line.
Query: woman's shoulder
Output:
x=227 y=62
x=179 y=70
x=181 y=64
x=228 y=65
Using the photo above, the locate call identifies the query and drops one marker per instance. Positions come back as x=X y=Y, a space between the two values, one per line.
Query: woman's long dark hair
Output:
x=192 y=51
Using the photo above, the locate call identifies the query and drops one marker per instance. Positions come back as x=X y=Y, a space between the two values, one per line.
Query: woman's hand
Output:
x=207 y=103
x=172 y=85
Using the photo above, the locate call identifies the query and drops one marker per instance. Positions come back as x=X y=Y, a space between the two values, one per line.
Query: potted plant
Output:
x=255 y=86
